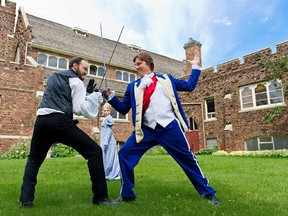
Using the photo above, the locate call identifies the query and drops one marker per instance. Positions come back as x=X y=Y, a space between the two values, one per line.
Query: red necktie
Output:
x=148 y=92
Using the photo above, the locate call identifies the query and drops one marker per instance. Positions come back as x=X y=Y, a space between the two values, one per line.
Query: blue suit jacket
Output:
x=129 y=102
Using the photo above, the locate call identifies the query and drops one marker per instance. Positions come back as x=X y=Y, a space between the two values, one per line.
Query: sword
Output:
x=105 y=67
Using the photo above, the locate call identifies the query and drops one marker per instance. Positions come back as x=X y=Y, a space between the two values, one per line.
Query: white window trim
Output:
x=128 y=76
x=269 y=105
x=208 y=114
x=97 y=66
x=259 y=143
x=58 y=57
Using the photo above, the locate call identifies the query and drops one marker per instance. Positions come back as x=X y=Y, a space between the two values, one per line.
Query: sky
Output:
x=227 y=29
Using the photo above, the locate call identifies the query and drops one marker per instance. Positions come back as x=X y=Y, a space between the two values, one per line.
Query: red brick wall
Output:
x=7 y=20
x=227 y=80
x=18 y=99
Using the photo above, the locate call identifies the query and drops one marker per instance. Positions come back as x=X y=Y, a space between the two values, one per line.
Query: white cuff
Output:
x=111 y=95
x=194 y=66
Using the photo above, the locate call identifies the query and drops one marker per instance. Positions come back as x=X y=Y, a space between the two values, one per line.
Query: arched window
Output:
x=132 y=77
x=193 y=124
x=261 y=95
x=52 y=61
x=42 y=59
x=101 y=71
x=63 y=63
x=93 y=70
x=118 y=75
x=125 y=77
x=246 y=96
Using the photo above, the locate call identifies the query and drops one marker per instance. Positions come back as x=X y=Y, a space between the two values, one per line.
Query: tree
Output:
x=276 y=69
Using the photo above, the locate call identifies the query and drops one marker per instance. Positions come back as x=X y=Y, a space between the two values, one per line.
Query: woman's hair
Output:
x=76 y=60
x=107 y=106
x=144 y=56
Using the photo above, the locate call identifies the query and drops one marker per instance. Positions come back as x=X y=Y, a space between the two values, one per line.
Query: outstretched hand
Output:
x=196 y=59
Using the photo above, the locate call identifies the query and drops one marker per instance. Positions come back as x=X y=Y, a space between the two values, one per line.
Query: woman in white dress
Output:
x=108 y=145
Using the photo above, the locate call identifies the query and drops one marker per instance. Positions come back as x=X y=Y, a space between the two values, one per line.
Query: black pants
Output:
x=60 y=128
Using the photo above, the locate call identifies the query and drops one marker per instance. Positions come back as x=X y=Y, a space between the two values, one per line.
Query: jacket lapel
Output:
x=139 y=106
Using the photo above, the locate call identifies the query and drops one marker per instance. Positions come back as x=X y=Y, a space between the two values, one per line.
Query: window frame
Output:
x=268 y=91
x=128 y=76
x=261 y=142
x=212 y=140
x=48 y=56
x=97 y=70
x=210 y=115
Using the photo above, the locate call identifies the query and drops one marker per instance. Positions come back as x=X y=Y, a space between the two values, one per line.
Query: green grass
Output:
x=246 y=186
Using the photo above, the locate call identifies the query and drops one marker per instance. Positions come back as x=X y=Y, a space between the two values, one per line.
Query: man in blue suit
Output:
x=158 y=118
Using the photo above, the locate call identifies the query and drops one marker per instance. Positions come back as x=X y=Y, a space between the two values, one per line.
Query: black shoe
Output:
x=124 y=199
x=26 y=204
x=212 y=198
x=104 y=201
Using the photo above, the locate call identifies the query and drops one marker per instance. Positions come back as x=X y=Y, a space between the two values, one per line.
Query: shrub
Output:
x=263 y=153
x=221 y=152
x=60 y=150
x=207 y=151
x=18 y=151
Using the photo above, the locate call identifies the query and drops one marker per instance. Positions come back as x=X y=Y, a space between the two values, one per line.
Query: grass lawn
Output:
x=247 y=186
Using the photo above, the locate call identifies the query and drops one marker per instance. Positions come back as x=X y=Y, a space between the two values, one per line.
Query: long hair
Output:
x=144 y=56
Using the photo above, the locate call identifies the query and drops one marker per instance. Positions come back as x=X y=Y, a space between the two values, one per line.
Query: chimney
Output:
x=192 y=47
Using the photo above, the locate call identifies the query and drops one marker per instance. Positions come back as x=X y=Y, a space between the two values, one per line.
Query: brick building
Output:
x=31 y=48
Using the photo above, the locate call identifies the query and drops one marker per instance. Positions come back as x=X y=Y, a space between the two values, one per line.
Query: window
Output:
x=93 y=70
x=125 y=76
x=212 y=143
x=132 y=77
x=266 y=143
x=193 y=124
x=118 y=75
x=210 y=108
x=52 y=61
x=63 y=63
x=101 y=71
x=261 y=95
x=81 y=32
x=42 y=59
x=96 y=71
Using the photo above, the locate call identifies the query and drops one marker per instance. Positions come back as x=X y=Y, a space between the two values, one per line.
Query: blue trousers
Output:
x=173 y=140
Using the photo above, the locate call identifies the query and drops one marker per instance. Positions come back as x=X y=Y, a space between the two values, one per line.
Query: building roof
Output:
x=61 y=38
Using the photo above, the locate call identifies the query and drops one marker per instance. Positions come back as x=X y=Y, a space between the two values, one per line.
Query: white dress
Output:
x=109 y=148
